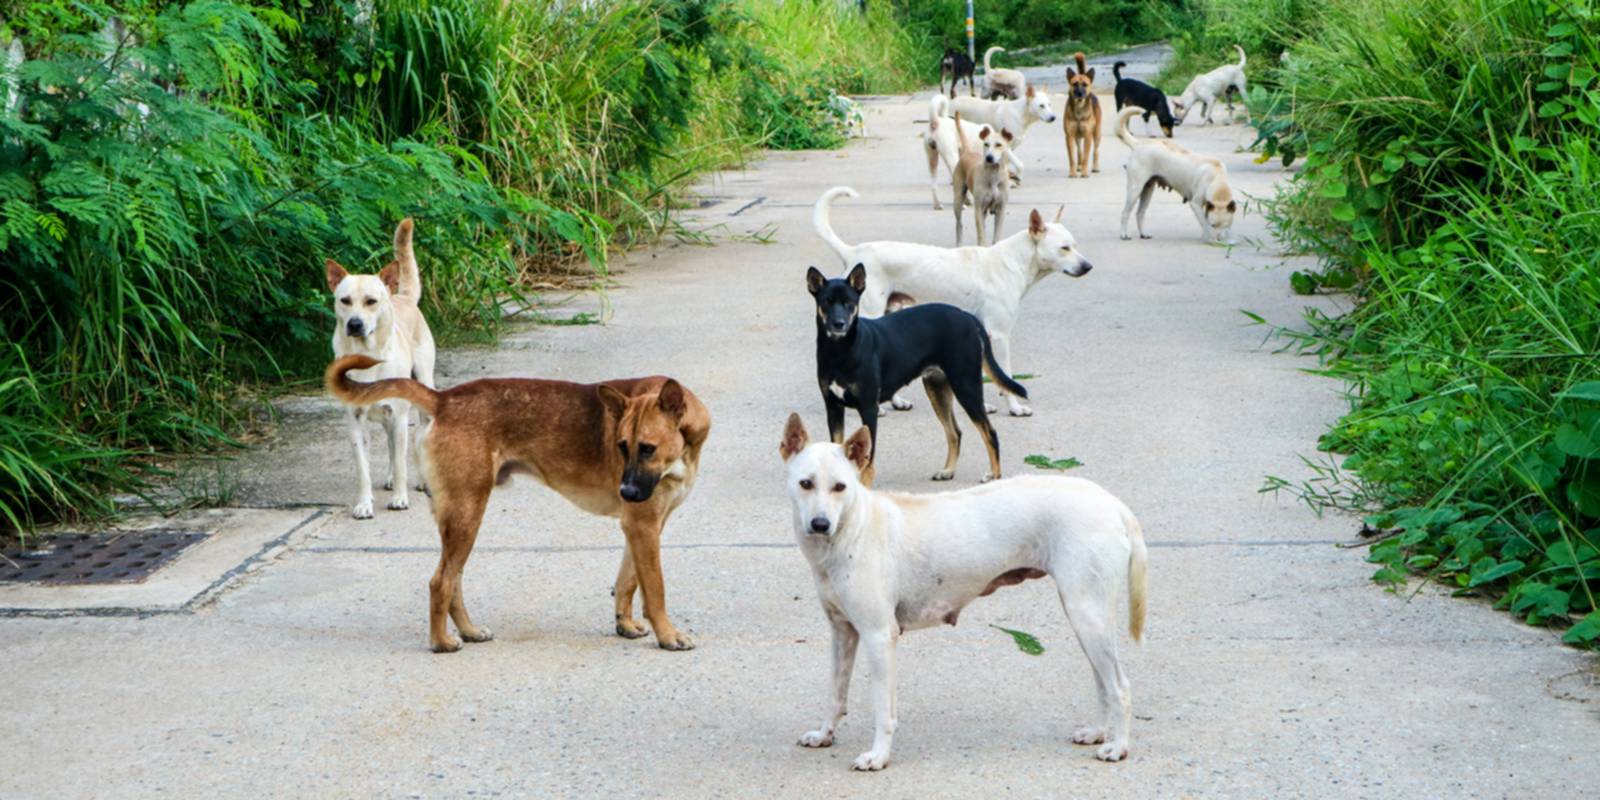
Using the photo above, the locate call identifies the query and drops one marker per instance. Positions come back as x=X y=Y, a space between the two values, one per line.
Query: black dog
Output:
x=863 y=362
x=1134 y=92
x=956 y=64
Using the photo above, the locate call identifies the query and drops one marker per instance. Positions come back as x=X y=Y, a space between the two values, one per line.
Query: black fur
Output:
x=871 y=359
x=956 y=65
x=1130 y=91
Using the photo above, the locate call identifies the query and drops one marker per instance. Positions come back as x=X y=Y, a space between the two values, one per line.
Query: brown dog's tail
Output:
x=356 y=393
x=410 y=276
x=1137 y=563
x=1083 y=62
x=961 y=136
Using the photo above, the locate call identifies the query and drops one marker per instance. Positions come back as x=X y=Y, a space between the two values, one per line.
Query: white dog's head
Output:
x=824 y=478
x=1055 y=248
x=994 y=147
x=363 y=304
x=1039 y=105
x=1220 y=207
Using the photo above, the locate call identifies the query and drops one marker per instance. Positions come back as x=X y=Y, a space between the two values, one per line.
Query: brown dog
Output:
x=626 y=448
x=1081 y=123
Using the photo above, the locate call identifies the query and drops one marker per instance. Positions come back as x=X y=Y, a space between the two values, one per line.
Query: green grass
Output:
x=1046 y=462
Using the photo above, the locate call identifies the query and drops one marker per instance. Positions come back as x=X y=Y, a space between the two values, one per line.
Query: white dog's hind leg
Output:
x=1128 y=203
x=1090 y=608
x=933 y=170
x=397 y=424
x=845 y=639
x=880 y=662
x=355 y=422
x=1001 y=344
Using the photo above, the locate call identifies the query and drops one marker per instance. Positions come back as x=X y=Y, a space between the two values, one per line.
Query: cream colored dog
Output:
x=1007 y=115
x=1202 y=181
x=987 y=282
x=1007 y=83
x=981 y=175
x=886 y=563
x=1208 y=87
x=940 y=142
x=378 y=317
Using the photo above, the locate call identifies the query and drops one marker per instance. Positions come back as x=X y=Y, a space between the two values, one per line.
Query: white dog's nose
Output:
x=820 y=524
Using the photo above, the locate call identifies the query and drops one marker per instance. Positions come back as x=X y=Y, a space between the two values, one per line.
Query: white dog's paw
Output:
x=1145 y=236
x=362 y=510
x=1126 y=238
x=817 y=739
x=1112 y=752
x=990 y=408
x=1021 y=410
x=1089 y=735
x=900 y=403
x=988 y=476
x=944 y=474
x=399 y=502
x=870 y=761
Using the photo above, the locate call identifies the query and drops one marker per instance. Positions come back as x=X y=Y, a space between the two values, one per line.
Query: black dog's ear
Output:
x=858 y=277
x=814 y=280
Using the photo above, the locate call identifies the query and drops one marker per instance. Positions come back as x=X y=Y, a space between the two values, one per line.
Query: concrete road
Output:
x=1272 y=666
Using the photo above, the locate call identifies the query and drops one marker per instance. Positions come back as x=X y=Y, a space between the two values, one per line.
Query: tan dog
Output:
x=1081 y=123
x=626 y=448
x=981 y=172
x=377 y=316
x=1202 y=181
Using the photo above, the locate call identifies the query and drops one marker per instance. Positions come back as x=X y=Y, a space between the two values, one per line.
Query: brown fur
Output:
x=566 y=436
x=1081 y=122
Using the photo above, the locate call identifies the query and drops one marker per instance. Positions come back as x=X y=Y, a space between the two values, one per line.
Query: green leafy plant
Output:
x=1026 y=642
x=1046 y=462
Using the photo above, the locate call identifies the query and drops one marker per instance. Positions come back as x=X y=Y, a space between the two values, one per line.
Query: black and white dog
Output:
x=862 y=362
x=958 y=66
x=1134 y=92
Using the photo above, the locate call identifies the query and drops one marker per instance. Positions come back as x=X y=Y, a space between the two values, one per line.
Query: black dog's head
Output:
x=838 y=300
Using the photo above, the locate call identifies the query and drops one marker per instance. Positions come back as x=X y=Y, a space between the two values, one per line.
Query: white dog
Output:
x=940 y=142
x=886 y=563
x=1015 y=116
x=988 y=282
x=378 y=317
x=1205 y=89
x=1202 y=181
x=1007 y=83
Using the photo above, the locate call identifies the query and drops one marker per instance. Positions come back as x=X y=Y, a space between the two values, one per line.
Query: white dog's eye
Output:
x=838 y=487
x=345 y=300
x=1066 y=248
x=372 y=301
x=807 y=485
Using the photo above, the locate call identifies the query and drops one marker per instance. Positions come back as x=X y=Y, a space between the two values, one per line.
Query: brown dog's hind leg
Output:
x=627 y=585
x=940 y=396
x=458 y=510
x=642 y=523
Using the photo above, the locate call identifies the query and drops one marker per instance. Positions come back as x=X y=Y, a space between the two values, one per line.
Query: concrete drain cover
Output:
x=78 y=558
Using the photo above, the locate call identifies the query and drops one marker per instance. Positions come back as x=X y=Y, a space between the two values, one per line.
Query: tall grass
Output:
x=1453 y=149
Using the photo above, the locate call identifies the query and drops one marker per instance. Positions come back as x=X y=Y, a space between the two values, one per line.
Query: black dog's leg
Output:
x=969 y=393
x=835 y=408
x=940 y=396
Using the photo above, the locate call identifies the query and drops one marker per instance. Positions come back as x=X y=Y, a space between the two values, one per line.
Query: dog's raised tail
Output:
x=824 y=228
x=1138 y=558
x=410 y=276
x=1241 y=55
x=995 y=373
x=356 y=393
x=1116 y=69
x=987 y=54
x=1083 y=62
x=1122 y=124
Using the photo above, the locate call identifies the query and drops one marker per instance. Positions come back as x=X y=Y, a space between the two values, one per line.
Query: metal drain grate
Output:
x=96 y=558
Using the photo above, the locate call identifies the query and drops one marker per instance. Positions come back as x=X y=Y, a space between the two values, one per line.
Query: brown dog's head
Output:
x=653 y=436
x=1080 y=84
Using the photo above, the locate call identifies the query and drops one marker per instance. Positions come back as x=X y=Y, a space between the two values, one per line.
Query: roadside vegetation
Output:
x=167 y=195
x=1447 y=151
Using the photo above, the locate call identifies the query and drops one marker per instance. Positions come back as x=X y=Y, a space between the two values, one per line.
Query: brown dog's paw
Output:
x=450 y=645
x=631 y=628
x=675 y=641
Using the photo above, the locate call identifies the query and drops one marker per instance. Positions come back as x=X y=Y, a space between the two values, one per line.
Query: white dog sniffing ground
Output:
x=886 y=563
x=377 y=316
x=1208 y=87
x=987 y=282
x=1015 y=116
x=1202 y=181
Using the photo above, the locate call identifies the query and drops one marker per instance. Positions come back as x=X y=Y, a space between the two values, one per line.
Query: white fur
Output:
x=940 y=143
x=888 y=563
x=1202 y=181
x=405 y=346
x=1008 y=82
x=1008 y=115
x=1207 y=87
x=988 y=281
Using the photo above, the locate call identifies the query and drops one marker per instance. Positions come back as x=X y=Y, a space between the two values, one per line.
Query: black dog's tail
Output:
x=997 y=374
x=1116 y=69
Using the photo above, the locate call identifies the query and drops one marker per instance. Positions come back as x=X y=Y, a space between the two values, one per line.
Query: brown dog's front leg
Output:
x=627 y=584
x=642 y=525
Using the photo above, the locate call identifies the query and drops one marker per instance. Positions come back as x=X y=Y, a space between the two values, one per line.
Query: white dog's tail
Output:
x=1241 y=55
x=819 y=219
x=410 y=276
x=938 y=106
x=1136 y=576
x=987 y=54
x=1122 y=124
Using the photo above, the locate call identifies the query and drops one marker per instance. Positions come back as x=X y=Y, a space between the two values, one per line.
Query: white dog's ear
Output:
x=615 y=402
x=390 y=275
x=336 y=273
x=984 y=133
x=1035 y=224
x=1006 y=135
x=1233 y=206
x=858 y=448
x=795 y=437
x=1030 y=91
x=1060 y=211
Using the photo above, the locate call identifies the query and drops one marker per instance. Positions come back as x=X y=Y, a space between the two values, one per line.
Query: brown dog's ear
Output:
x=670 y=399
x=615 y=402
x=1035 y=224
x=1030 y=91
x=858 y=448
x=390 y=275
x=1090 y=73
x=814 y=280
x=336 y=273
x=1005 y=134
x=795 y=437
x=1070 y=73
x=858 y=277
